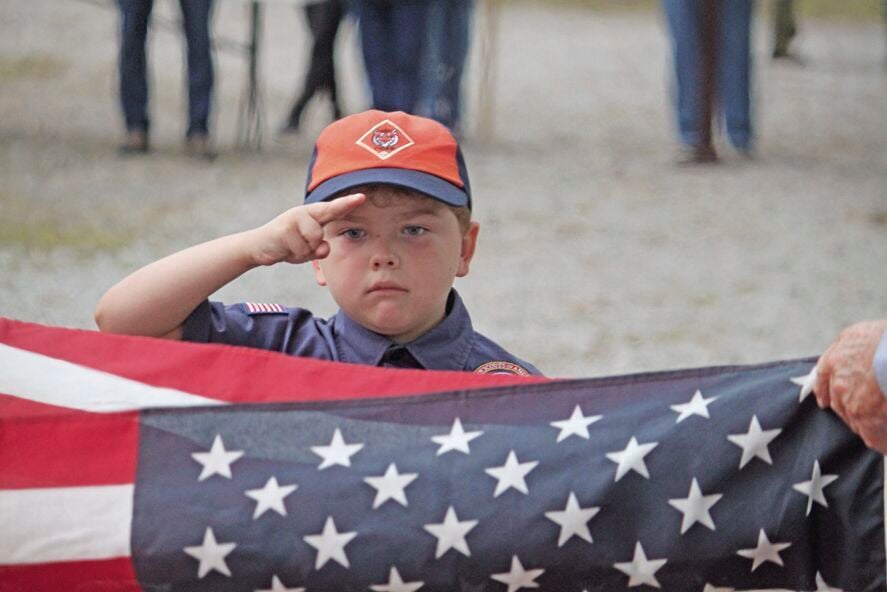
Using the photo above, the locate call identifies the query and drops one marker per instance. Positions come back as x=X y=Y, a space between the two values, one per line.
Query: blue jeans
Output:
x=392 y=34
x=449 y=31
x=733 y=68
x=133 y=62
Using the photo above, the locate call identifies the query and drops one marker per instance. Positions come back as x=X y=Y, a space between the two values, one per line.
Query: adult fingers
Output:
x=824 y=369
x=325 y=212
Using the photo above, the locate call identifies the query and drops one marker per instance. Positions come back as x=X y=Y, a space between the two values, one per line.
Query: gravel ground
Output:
x=597 y=254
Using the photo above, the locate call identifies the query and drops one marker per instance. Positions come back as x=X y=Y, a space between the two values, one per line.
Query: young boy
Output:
x=386 y=225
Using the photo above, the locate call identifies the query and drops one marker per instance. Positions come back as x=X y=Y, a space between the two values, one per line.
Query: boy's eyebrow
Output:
x=419 y=211
x=411 y=213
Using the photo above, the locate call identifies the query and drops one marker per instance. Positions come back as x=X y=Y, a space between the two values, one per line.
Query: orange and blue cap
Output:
x=389 y=148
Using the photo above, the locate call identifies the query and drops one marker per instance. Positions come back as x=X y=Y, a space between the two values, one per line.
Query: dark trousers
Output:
x=323 y=22
x=449 y=32
x=733 y=68
x=392 y=36
x=133 y=62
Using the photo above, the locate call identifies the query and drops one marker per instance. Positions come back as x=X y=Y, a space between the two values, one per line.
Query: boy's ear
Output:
x=469 y=244
x=318 y=272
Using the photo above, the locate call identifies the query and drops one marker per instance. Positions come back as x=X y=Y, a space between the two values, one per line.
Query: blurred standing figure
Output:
x=449 y=33
x=733 y=70
x=784 y=27
x=323 y=19
x=135 y=15
x=392 y=36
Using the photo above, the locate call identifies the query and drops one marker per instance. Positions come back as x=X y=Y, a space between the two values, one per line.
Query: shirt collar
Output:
x=445 y=347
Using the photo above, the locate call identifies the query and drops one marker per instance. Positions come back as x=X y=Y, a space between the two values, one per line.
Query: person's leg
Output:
x=452 y=50
x=409 y=21
x=323 y=21
x=784 y=28
x=334 y=14
x=432 y=59
x=133 y=64
x=196 y=18
x=378 y=41
x=734 y=70
x=682 y=17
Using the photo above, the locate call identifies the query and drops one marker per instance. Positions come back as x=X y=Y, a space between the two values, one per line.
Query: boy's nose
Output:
x=385 y=260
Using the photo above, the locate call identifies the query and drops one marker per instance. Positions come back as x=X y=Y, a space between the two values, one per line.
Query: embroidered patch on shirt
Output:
x=501 y=367
x=262 y=308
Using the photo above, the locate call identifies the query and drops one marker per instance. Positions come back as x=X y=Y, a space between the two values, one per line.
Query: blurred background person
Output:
x=732 y=72
x=135 y=16
x=449 y=35
x=392 y=36
x=323 y=18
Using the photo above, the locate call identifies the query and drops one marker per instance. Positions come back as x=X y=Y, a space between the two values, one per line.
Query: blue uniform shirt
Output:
x=451 y=345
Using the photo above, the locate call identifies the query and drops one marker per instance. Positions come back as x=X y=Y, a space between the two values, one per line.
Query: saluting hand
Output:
x=846 y=382
x=296 y=236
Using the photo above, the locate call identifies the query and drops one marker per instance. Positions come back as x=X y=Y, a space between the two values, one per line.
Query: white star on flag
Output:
x=813 y=488
x=390 y=486
x=576 y=425
x=754 y=442
x=451 y=533
x=573 y=520
x=821 y=586
x=457 y=439
x=765 y=551
x=518 y=577
x=641 y=570
x=396 y=584
x=217 y=461
x=695 y=507
x=632 y=458
x=211 y=554
x=511 y=474
x=330 y=544
x=337 y=452
x=698 y=405
x=277 y=586
x=806 y=383
x=270 y=497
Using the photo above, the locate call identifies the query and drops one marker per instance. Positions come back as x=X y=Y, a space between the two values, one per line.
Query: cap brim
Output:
x=432 y=186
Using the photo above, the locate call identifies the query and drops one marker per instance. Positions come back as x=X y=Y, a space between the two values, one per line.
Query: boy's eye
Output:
x=353 y=233
x=413 y=230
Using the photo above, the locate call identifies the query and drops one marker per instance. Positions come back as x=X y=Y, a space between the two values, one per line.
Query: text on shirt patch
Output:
x=501 y=367
x=263 y=308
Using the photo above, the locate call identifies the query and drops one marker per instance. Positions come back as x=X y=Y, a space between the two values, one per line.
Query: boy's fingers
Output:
x=327 y=211
x=322 y=250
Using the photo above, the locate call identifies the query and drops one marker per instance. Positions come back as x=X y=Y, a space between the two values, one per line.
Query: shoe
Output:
x=199 y=146
x=746 y=152
x=288 y=129
x=135 y=142
x=688 y=155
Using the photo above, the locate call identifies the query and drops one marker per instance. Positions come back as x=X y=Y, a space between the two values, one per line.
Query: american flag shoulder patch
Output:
x=253 y=308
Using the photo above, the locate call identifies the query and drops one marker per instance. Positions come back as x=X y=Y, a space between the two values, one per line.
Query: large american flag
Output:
x=131 y=463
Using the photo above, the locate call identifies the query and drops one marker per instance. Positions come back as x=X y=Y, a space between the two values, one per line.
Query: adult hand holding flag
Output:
x=326 y=476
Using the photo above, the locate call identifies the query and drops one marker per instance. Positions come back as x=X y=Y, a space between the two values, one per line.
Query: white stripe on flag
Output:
x=36 y=377
x=65 y=524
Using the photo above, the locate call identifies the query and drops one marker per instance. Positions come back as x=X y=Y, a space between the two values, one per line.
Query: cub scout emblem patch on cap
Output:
x=262 y=308
x=501 y=367
x=385 y=140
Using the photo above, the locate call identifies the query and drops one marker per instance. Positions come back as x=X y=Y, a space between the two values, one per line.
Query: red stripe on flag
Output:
x=107 y=575
x=235 y=374
x=68 y=449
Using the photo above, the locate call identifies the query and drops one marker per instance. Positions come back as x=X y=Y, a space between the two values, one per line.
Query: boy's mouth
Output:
x=386 y=287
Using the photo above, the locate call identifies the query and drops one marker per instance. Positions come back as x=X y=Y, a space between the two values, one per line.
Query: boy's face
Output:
x=392 y=263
